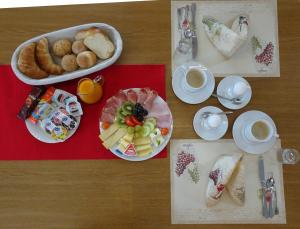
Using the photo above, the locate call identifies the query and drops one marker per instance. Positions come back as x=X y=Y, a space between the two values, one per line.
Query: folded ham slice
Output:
x=151 y=96
x=142 y=96
x=107 y=117
x=132 y=96
x=162 y=114
x=121 y=96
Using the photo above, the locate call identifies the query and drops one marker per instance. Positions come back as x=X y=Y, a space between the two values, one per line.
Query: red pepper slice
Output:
x=129 y=121
x=135 y=121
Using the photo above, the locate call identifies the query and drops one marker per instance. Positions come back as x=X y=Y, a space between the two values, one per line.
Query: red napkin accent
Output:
x=16 y=143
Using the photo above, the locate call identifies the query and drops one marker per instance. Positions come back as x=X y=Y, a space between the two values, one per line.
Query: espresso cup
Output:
x=194 y=79
x=260 y=131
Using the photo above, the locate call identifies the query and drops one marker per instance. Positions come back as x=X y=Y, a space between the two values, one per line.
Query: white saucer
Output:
x=210 y=134
x=223 y=87
x=192 y=97
x=240 y=139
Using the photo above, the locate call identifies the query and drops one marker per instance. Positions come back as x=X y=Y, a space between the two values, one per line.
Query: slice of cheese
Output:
x=128 y=138
x=108 y=132
x=122 y=148
x=113 y=139
x=140 y=148
x=144 y=152
x=124 y=143
x=142 y=141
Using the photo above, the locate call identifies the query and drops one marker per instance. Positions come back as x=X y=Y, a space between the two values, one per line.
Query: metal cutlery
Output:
x=194 y=35
x=206 y=114
x=235 y=101
x=261 y=169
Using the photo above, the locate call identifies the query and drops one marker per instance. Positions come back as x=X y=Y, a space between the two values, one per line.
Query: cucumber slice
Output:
x=153 y=120
x=150 y=125
x=130 y=130
x=138 y=129
x=146 y=131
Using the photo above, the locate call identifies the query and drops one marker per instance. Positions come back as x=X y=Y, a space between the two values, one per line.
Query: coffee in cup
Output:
x=259 y=131
x=194 y=79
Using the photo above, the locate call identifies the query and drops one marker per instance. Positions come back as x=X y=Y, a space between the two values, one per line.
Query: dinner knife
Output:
x=194 y=35
x=262 y=178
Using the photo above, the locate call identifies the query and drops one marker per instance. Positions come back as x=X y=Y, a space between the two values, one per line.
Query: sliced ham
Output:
x=121 y=96
x=142 y=96
x=111 y=110
x=132 y=96
x=162 y=113
x=107 y=117
x=164 y=121
x=158 y=109
x=151 y=96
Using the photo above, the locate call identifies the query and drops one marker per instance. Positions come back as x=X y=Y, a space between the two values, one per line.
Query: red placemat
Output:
x=16 y=143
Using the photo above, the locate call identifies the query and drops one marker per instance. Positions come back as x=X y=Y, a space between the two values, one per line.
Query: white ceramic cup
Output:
x=253 y=137
x=238 y=89
x=201 y=72
x=212 y=122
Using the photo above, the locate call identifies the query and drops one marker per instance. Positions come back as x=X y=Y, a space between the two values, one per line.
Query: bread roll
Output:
x=69 y=63
x=78 y=47
x=82 y=34
x=86 y=59
x=45 y=59
x=100 y=44
x=27 y=63
x=62 y=47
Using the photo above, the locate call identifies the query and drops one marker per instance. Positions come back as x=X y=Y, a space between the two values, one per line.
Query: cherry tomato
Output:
x=105 y=125
x=129 y=121
x=164 y=131
x=135 y=121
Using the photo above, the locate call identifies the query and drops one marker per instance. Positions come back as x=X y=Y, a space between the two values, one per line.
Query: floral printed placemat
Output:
x=191 y=161
x=257 y=57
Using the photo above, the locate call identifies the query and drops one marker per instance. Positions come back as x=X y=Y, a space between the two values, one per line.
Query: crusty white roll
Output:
x=69 y=63
x=86 y=59
x=62 y=47
x=78 y=47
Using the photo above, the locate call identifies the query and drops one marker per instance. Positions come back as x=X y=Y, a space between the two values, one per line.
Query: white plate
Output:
x=36 y=130
x=70 y=33
x=223 y=87
x=240 y=139
x=188 y=97
x=156 y=150
x=212 y=134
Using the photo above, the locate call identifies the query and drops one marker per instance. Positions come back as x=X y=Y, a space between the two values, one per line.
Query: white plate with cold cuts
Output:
x=207 y=132
x=226 y=86
x=128 y=135
x=240 y=139
x=194 y=97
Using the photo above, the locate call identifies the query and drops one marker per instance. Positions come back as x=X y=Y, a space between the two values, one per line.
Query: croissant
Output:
x=45 y=59
x=27 y=63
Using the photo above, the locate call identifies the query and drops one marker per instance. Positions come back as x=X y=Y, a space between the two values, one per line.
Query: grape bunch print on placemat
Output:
x=263 y=54
x=186 y=163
